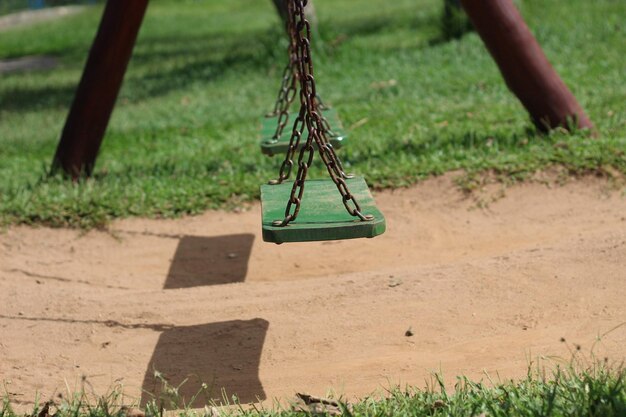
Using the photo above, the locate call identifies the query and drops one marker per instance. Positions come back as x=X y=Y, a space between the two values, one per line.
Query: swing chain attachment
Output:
x=288 y=89
x=309 y=116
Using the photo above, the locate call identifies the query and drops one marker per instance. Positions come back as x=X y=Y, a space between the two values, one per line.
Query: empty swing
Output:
x=321 y=216
x=274 y=137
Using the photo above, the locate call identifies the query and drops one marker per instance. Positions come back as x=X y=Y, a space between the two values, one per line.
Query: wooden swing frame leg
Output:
x=99 y=87
x=524 y=66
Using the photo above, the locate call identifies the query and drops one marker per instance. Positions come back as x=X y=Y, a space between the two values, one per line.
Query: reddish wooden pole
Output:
x=99 y=86
x=523 y=64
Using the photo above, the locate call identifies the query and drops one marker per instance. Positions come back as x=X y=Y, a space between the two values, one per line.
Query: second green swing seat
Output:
x=271 y=146
x=322 y=213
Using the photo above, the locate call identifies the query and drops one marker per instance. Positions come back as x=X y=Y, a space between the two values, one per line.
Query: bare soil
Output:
x=482 y=290
x=31 y=17
x=28 y=63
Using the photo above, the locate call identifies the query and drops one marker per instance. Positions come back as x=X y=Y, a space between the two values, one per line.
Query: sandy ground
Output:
x=30 y=17
x=27 y=18
x=28 y=63
x=482 y=290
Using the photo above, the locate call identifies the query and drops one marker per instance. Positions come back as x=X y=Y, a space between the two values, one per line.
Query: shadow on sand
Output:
x=214 y=260
x=225 y=356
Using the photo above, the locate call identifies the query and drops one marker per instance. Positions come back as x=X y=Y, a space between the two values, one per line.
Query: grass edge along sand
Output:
x=564 y=388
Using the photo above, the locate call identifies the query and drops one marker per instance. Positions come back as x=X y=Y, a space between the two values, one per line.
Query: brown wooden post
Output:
x=281 y=8
x=523 y=64
x=99 y=86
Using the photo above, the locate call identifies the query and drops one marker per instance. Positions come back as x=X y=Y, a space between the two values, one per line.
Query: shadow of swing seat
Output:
x=225 y=356
x=210 y=260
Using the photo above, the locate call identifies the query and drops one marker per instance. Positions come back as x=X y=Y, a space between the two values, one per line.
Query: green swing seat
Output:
x=271 y=146
x=322 y=213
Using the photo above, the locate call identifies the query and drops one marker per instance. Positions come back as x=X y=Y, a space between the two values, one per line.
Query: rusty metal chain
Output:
x=310 y=118
x=288 y=87
x=288 y=90
x=297 y=131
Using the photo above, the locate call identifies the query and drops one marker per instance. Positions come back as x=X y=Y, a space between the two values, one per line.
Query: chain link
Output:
x=315 y=124
x=288 y=89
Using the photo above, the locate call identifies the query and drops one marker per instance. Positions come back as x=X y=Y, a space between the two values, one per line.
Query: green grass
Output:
x=183 y=137
x=599 y=391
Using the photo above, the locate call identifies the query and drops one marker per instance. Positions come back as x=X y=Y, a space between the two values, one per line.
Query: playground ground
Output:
x=487 y=282
x=483 y=290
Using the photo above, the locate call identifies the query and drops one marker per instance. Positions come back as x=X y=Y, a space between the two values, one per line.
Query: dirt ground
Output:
x=483 y=290
x=30 y=17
